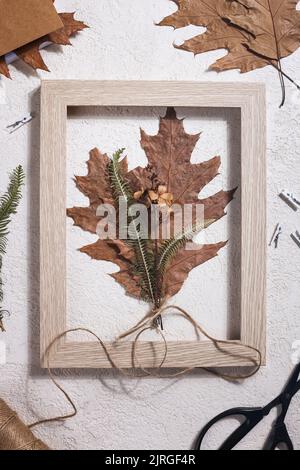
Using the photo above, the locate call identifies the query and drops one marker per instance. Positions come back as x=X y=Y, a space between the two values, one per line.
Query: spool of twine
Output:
x=14 y=434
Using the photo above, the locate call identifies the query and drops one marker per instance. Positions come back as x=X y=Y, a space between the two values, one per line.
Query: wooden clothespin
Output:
x=296 y=237
x=18 y=124
x=276 y=234
x=290 y=199
x=1 y=324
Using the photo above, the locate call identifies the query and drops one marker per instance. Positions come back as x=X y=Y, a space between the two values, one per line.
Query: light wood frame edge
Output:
x=56 y=96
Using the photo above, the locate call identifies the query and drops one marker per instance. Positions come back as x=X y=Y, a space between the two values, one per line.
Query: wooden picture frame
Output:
x=56 y=96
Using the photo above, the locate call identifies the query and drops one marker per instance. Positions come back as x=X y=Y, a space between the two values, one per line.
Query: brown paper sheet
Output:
x=23 y=21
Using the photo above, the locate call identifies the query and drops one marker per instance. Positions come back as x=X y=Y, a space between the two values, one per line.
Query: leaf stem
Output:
x=156 y=289
x=286 y=76
x=278 y=57
x=279 y=69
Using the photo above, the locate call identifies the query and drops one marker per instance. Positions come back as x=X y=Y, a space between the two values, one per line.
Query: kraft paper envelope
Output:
x=23 y=21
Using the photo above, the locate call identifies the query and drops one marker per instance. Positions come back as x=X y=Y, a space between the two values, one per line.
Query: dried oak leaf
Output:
x=169 y=155
x=274 y=26
x=116 y=252
x=96 y=187
x=30 y=53
x=184 y=262
x=256 y=33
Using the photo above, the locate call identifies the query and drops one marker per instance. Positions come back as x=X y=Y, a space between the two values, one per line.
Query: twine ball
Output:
x=14 y=434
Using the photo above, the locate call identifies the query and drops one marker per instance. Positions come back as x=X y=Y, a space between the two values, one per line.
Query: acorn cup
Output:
x=14 y=434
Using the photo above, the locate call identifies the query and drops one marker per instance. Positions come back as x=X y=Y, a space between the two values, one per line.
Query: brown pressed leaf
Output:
x=125 y=277
x=219 y=34
x=140 y=178
x=4 y=68
x=84 y=217
x=214 y=206
x=274 y=26
x=118 y=253
x=169 y=176
x=256 y=33
x=184 y=262
x=30 y=53
x=129 y=282
x=101 y=250
x=71 y=27
x=169 y=154
x=124 y=250
x=108 y=250
x=96 y=184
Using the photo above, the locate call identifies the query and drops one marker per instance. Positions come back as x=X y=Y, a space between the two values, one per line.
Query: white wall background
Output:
x=114 y=413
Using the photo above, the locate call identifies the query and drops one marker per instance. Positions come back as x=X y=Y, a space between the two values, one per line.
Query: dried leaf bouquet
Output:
x=152 y=269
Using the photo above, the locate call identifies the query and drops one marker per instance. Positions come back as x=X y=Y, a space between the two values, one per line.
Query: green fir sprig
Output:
x=9 y=202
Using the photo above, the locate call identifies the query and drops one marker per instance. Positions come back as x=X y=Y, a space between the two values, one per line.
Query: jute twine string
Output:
x=146 y=324
x=15 y=435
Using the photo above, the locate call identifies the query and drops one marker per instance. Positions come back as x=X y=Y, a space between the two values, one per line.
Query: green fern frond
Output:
x=1 y=283
x=170 y=247
x=8 y=206
x=120 y=187
x=143 y=266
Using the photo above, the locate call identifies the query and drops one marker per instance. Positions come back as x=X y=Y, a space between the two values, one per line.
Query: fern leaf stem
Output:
x=123 y=191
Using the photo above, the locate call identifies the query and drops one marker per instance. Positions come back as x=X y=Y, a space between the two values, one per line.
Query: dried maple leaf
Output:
x=4 y=68
x=30 y=53
x=219 y=35
x=169 y=155
x=256 y=33
x=274 y=26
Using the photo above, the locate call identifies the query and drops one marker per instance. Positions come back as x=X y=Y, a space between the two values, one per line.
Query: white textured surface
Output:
x=124 y=43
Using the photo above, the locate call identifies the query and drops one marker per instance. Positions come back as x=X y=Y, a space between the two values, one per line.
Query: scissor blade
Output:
x=292 y=382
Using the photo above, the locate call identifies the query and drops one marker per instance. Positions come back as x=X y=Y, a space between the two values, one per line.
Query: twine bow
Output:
x=149 y=323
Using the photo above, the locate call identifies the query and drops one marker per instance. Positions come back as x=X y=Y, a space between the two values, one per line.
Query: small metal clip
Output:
x=296 y=237
x=290 y=199
x=18 y=124
x=276 y=234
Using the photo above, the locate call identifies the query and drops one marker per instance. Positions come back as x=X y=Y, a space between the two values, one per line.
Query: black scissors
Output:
x=278 y=438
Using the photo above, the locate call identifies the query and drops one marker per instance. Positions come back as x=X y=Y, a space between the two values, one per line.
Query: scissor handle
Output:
x=252 y=417
x=279 y=437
